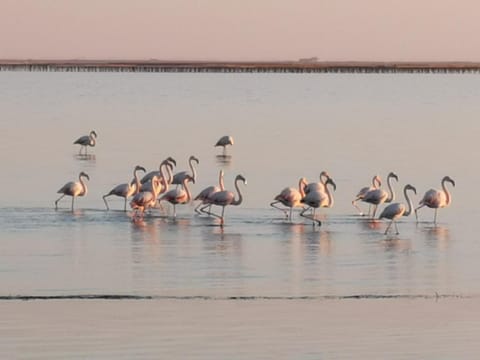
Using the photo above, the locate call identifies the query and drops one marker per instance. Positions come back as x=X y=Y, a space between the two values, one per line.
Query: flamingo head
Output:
x=331 y=182
x=448 y=179
x=393 y=175
x=84 y=174
x=411 y=187
x=171 y=160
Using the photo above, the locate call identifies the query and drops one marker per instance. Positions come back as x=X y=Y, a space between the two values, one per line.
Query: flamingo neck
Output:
x=137 y=182
x=447 y=193
x=329 y=195
x=391 y=196
x=376 y=182
x=163 y=178
x=301 y=186
x=84 y=185
x=221 y=182
x=240 y=197
x=187 y=190
x=409 y=202
x=194 y=172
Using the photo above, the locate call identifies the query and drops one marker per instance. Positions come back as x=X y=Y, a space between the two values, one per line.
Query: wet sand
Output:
x=444 y=328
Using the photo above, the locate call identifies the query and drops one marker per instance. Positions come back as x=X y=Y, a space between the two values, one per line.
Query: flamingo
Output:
x=165 y=164
x=126 y=190
x=207 y=192
x=436 y=198
x=225 y=198
x=147 y=177
x=178 y=177
x=318 y=186
x=397 y=210
x=290 y=197
x=380 y=196
x=316 y=199
x=146 y=199
x=86 y=140
x=73 y=189
x=376 y=183
x=224 y=141
x=179 y=195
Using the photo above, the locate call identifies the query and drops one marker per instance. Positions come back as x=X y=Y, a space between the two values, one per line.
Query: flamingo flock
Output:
x=154 y=188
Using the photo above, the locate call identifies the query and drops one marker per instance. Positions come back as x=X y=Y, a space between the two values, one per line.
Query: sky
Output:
x=251 y=30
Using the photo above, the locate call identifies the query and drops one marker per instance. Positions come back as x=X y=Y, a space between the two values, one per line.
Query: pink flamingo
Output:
x=436 y=199
x=224 y=141
x=73 y=189
x=380 y=196
x=147 y=177
x=397 y=210
x=146 y=199
x=290 y=197
x=317 y=186
x=86 y=140
x=317 y=199
x=178 y=177
x=376 y=183
x=225 y=198
x=179 y=195
x=204 y=195
x=126 y=190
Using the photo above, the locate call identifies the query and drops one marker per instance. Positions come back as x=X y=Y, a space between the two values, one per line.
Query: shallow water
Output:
x=423 y=127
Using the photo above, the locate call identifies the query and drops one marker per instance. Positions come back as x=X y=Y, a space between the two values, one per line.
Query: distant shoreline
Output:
x=300 y=66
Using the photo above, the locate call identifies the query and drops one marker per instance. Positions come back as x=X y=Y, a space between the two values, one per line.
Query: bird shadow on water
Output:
x=85 y=157
x=436 y=236
x=223 y=160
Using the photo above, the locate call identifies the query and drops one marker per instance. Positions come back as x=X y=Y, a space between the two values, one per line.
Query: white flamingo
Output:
x=224 y=141
x=146 y=199
x=147 y=177
x=180 y=195
x=290 y=197
x=376 y=183
x=178 y=177
x=205 y=194
x=317 y=199
x=380 y=196
x=73 y=189
x=397 y=210
x=436 y=199
x=225 y=198
x=126 y=190
x=86 y=140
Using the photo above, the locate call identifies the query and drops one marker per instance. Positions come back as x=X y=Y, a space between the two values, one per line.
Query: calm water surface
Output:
x=423 y=127
x=285 y=126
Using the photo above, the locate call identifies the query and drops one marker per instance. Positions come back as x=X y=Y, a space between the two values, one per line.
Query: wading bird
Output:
x=376 y=183
x=180 y=195
x=204 y=195
x=147 y=177
x=86 y=140
x=126 y=190
x=178 y=177
x=224 y=141
x=225 y=198
x=146 y=199
x=73 y=189
x=317 y=199
x=397 y=210
x=290 y=197
x=436 y=199
x=380 y=196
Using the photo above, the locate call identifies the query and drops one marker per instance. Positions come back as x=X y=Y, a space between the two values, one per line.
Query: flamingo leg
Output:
x=273 y=204
x=56 y=202
x=396 y=228
x=311 y=217
x=291 y=212
x=435 y=216
x=105 y=201
x=416 y=214
x=197 y=208
x=388 y=227
x=354 y=203
x=124 y=205
x=215 y=215
x=73 y=199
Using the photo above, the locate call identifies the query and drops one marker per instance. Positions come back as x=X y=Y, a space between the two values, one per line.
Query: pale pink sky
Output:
x=241 y=30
